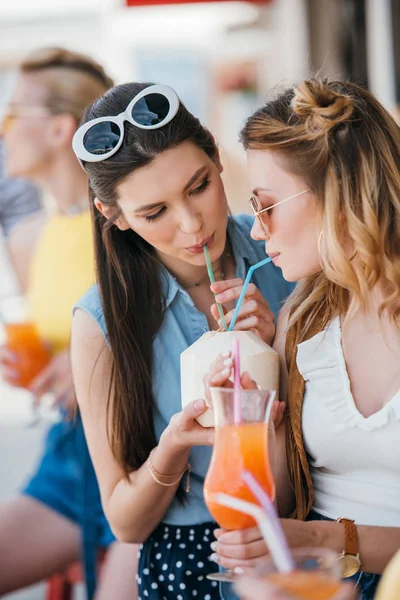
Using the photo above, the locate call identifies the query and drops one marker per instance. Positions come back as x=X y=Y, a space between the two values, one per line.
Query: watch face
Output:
x=350 y=565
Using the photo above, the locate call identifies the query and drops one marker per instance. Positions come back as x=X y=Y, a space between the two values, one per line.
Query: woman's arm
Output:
x=377 y=545
x=134 y=506
x=246 y=548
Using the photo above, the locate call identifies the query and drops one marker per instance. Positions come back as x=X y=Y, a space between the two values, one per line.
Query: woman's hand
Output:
x=219 y=376
x=8 y=365
x=243 y=549
x=255 y=314
x=246 y=549
x=56 y=379
x=183 y=431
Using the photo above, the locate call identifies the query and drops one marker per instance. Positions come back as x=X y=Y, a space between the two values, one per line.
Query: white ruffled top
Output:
x=355 y=460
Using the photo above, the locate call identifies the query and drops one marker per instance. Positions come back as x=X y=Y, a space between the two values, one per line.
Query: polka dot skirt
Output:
x=173 y=564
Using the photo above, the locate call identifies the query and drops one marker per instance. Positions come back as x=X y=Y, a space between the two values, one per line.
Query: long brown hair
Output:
x=346 y=146
x=130 y=276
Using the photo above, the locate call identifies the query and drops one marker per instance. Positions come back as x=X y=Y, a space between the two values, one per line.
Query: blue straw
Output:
x=244 y=290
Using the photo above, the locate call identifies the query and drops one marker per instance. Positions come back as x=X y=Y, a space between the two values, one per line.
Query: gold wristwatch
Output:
x=350 y=558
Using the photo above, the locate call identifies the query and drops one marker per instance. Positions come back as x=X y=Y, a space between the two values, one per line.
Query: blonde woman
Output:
x=323 y=161
x=41 y=530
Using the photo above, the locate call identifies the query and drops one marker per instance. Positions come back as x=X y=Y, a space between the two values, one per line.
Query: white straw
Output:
x=270 y=512
x=267 y=529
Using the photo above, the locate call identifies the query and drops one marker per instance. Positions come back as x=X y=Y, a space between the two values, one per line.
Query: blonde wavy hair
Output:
x=72 y=81
x=346 y=146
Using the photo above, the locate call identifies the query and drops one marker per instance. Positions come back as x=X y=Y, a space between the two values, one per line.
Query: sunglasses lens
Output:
x=150 y=110
x=102 y=138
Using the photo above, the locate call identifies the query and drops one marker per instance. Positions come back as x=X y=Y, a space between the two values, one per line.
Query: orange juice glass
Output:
x=316 y=577
x=238 y=447
x=32 y=356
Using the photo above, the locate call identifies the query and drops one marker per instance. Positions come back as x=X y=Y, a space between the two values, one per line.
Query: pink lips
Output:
x=199 y=248
x=274 y=256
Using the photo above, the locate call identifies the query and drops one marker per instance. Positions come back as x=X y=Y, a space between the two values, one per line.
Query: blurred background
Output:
x=223 y=58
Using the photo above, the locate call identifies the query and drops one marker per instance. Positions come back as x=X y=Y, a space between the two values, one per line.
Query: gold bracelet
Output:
x=178 y=476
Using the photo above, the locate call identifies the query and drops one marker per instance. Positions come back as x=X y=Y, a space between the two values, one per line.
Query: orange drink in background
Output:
x=306 y=586
x=32 y=357
x=238 y=448
x=23 y=340
x=316 y=575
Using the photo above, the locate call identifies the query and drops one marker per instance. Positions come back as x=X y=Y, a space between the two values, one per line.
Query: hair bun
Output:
x=321 y=106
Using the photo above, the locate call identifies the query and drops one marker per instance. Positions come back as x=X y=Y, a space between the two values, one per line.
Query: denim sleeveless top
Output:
x=183 y=325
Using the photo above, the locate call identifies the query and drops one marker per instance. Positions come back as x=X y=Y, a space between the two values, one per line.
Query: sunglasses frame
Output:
x=126 y=115
x=33 y=112
x=253 y=200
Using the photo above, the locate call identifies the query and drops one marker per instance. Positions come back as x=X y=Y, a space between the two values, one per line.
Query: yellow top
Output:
x=62 y=270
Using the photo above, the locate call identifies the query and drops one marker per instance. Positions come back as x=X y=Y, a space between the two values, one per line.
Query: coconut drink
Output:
x=257 y=358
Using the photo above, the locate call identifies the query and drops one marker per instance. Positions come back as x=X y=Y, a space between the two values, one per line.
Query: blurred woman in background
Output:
x=41 y=531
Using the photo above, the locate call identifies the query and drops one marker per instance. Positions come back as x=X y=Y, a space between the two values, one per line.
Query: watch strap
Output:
x=350 y=536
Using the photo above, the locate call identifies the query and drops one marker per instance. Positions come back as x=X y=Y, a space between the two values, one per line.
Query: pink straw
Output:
x=269 y=510
x=237 y=412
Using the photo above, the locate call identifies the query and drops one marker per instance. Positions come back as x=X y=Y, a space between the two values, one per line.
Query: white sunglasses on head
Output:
x=100 y=138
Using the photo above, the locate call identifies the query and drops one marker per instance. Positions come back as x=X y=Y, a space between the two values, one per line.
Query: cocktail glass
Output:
x=23 y=340
x=238 y=446
x=316 y=575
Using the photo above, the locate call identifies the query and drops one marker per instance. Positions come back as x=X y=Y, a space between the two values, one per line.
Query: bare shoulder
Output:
x=85 y=330
x=87 y=339
x=91 y=359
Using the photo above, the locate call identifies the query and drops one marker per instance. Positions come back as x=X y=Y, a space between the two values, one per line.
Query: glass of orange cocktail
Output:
x=23 y=340
x=316 y=575
x=238 y=446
